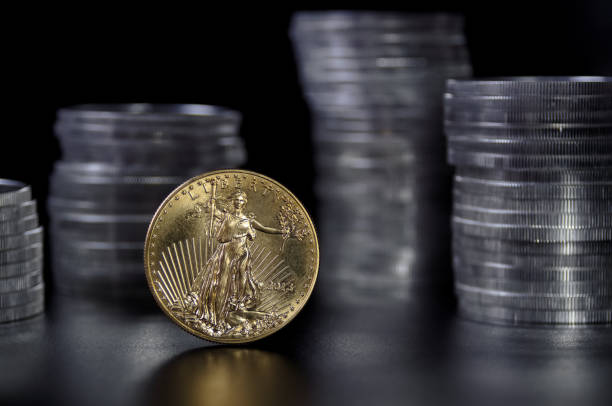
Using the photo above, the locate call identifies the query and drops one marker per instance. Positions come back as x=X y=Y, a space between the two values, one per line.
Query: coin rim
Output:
x=199 y=334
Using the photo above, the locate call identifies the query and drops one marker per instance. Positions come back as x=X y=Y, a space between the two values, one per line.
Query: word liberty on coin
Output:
x=231 y=256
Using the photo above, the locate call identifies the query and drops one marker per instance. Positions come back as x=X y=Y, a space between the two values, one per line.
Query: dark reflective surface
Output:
x=380 y=352
x=228 y=376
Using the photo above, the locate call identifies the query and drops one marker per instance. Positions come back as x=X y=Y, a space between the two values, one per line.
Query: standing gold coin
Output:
x=231 y=256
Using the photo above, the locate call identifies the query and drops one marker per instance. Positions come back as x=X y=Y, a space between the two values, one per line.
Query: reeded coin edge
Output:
x=148 y=271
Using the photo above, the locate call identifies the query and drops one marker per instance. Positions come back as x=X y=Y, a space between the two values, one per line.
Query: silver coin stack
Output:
x=374 y=82
x=22 y=290
x=119 y=163
x=532 y=212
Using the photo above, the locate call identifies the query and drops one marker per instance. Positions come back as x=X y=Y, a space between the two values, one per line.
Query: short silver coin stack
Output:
x=532 y=211
x=374 y=82
x=118 y=164
x=22 y=289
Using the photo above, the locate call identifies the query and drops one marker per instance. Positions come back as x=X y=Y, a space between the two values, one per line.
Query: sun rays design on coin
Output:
x=231 y=256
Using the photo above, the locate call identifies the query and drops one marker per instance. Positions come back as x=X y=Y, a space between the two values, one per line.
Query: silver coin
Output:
x=147 y=133
x=322 y=82
x=81 y=219
x=522 y=316
x=327 y=163
x=21 y=254
x=97 y=252
x=22 y=297
x=13 y=192
x=122 y=115
x=28 y=266
x=212 y=145
x=531 y=219
x=387 y=54
x=118 y=179
x=323 y=125
x=537 y=131
x=423 y=54
x=501 y=205
x=180 y=158
x=524 y=147
x=373 y=38
x=537 y=85
x=532 y=101
x=103 y=287
x=83 y=266
x=383 y=96
x=88 y=227
x=533 y=261
x=486 y=297
x=534 y=132
x=529 y=233
x=18 y=211
x=94 y=206
x=342 y=20
x=522 y=248
x=515 y=128
x=15 y=313
x=114 y=274
x=530 y=110
x=30 y=237
x=512 y=161
x=374 y=79
x=533 y=190
x=532 y=274
x=562 y=176
x=19 y=283
x=131 y=173
x=112 y=190
x=574 y=289
x=406 y=93
x=18 y=226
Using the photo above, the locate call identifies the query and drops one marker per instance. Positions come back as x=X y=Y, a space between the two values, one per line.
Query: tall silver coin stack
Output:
x=118 y=164
x=374 y=82
x=22 y=290
x=532 y=212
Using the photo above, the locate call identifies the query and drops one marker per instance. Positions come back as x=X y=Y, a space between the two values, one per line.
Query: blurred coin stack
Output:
x=118 y=164
x=21 y=253
x=532 y=212
x=374 y=82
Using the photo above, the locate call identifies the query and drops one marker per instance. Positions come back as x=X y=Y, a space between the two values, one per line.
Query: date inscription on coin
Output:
x=231 y=256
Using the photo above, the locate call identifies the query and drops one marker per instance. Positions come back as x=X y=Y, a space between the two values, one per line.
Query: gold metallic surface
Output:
x=228 y=377
x=231 y=256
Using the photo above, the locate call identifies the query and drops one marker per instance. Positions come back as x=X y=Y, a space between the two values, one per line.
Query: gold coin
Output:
x=231 y=256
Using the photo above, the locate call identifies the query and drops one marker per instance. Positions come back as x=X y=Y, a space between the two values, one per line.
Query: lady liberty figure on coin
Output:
x=224 y=292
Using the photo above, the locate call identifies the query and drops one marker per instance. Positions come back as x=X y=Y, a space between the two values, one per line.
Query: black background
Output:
x=242 y=58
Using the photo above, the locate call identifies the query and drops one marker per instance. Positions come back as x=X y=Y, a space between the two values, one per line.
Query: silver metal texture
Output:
x=19 y=283
x=507 y=315
x=33 y=264
x=14 y=192
x=19 y=225
x=22 y=297
x=118 y=163
x=20 y=254
x=10 y=242
x=532 y=223
x=487 y=297
x=14 y=313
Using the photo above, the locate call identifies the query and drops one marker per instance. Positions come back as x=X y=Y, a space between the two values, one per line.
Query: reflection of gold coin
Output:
x=231 y=256
x=228 y=377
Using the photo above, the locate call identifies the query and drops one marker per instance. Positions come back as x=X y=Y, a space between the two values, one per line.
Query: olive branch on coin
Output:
x=292 y=224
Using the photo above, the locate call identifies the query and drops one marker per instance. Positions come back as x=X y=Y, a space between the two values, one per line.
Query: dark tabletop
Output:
x=339 y=350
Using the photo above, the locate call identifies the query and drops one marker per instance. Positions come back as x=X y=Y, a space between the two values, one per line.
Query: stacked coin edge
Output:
x=532 y=236
x=22 y=288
